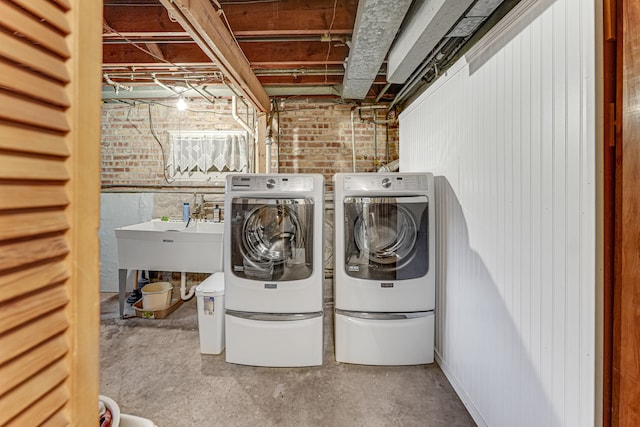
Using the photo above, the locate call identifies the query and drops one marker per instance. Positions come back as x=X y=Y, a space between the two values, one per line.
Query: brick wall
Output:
x=317 y=138
x=131 y=155
x=314 y=137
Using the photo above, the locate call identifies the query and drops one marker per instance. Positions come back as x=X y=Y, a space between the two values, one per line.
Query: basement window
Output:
x=206 y=155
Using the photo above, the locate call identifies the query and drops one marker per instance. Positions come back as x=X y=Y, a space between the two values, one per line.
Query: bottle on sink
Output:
x=216 y=214
x=186 y=208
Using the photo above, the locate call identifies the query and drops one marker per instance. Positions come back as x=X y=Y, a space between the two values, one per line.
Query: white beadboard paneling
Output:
x=510 y=137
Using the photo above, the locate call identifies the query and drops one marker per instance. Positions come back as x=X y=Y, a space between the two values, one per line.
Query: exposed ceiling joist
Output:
x=274 y=46
x=200 y=20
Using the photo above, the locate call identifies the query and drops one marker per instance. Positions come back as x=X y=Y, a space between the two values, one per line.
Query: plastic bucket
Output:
x=156 y=296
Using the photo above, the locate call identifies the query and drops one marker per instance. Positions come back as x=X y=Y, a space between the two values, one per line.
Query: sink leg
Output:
x=122 y=289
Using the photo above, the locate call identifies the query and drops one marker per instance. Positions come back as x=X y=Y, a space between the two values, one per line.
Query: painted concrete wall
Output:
x=118 y=210
x=509 y=132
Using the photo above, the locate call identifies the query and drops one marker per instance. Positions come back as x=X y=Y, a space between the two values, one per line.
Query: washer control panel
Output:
x=396 y=182
x=271 y=183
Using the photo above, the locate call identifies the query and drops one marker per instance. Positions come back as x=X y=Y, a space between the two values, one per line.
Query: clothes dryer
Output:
x=384 y=272
x=274 y=270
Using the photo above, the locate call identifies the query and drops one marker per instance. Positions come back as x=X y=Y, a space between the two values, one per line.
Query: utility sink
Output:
x=171 y=246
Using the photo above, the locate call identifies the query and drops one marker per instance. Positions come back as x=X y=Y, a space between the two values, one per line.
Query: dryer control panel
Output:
x=395 y=182
x=272 y=183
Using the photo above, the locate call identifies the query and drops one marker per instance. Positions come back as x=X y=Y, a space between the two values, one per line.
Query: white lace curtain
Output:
x=213 y=151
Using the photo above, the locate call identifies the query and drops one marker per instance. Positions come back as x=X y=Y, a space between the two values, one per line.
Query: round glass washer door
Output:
x=386 y=232
x=271 y=232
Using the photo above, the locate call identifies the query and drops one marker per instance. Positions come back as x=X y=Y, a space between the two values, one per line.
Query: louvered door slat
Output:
x=25 y=140
x=33 y=58
x=47 y=411
x=24 y=196
x=31 y=251
x=18 y=370
x=63 y=4
x=32 y=279
x=20 y=340
x=31 y=223
x=49 y=211
x=34 y=168
x=32 y=85
x=28 y=393
x=29 y=113
x=17 y=312
x=48 y=12
x=15 y=20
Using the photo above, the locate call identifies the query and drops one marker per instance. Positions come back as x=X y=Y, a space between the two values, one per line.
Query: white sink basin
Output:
x=171 y=246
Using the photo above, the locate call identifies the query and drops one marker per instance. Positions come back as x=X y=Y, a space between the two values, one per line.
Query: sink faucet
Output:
x=197 y=207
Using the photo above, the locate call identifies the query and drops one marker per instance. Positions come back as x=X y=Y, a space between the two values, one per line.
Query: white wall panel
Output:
x=118 y=210
x=509 y=134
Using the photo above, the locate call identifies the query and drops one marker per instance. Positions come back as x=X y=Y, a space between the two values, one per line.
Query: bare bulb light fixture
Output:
x=181 y=105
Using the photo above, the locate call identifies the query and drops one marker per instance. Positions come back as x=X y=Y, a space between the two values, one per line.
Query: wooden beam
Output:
x=200 y=20
x=293 y=32
x=127 y=19
x=284 y=17
x=294 y=52
x=131 y=55
x=155 y=50
x=292 y=15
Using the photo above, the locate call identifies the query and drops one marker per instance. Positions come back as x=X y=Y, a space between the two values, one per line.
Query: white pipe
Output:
x=116 y=84
x=353 y=127
x=353 y=141
x=234 y=114
x=268 y=141
x=183 y=287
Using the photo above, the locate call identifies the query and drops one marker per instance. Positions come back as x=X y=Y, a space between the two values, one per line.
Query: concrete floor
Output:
x=154 y=369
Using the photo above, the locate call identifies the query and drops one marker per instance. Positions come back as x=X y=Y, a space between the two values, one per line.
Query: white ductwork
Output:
x=427 y=23
x=377 y=22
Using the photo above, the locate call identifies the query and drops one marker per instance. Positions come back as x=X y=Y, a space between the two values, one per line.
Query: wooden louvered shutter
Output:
x=50 y=57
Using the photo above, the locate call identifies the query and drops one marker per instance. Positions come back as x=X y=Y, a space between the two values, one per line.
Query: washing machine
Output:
x=384 y=268
x=273 y=267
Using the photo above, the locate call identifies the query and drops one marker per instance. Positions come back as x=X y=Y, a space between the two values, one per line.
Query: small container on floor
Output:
x=210 y=302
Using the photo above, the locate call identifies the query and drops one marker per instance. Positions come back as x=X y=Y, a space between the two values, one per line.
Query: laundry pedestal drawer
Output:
x=257 y=339
x=406 y=339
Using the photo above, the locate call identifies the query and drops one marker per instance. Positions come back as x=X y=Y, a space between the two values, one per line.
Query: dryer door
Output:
x=272 y=239
x=386 y=238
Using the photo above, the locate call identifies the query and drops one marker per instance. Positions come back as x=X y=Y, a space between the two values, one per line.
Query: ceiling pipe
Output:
x=117 y=86
x=164 y=86
x=383 y=91
x=234 y=114
x=201 y=21
x=353 y=127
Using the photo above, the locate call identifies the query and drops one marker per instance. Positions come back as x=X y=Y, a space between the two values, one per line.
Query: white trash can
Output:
x=210 y=301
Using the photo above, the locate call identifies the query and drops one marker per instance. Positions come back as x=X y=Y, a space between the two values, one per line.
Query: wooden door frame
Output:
x=609 y=107
x=83 y=190
x=621 y=225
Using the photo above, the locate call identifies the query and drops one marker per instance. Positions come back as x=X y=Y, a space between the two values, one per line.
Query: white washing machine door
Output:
x=272 y=239
x=386 y=238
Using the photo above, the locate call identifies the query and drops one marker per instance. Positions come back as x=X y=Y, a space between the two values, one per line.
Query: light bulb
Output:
x=181 y=105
